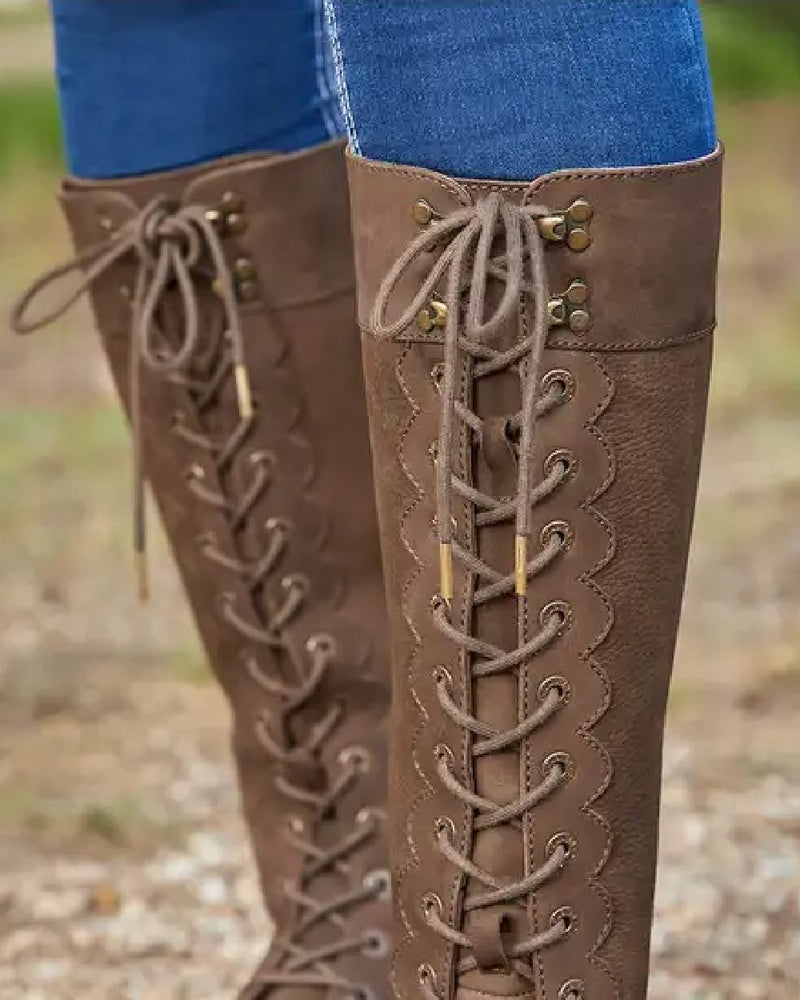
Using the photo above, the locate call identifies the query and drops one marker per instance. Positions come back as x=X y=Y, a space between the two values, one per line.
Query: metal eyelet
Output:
x=356 y=757
x=567 y=843
x=298 y=582
x=375 y=945
x=224 y=601
x=561 y=457
x=558 y=529
x=433 y=451
x=443 y=754
x=426 y=975
x=573 y=989
x=262 y=458
x=565 y=915
x=379 y=882
x=561 y=760
x=296 y=825
x=430 y=902
x=322 y=643
x=369 y=815
x=558 y=684
x=562 y=378
x=557 y=609
x=441 y=675
x=437 y=374
x=194 y=472
x=443 y=826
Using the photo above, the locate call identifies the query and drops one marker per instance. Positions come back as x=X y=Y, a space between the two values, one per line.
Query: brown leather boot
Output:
x=537 y=359
x=224 y=298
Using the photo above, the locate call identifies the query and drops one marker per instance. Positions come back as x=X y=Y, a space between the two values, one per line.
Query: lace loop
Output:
x=168 y=242
x=468 y=254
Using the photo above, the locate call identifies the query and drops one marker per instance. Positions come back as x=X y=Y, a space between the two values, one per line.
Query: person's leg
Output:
x=514 y=88
x=223 y=291
x=537 y=358
x=152 y=84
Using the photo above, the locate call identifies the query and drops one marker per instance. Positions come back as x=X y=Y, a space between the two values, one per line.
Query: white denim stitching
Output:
x=342 y=91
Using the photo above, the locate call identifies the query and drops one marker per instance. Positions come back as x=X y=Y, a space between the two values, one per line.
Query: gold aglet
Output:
x=446 y=570
x=521 y=565
x=243 y=394
x=142 y=577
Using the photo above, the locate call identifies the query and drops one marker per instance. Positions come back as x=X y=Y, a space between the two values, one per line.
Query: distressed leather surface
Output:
x=635 y=425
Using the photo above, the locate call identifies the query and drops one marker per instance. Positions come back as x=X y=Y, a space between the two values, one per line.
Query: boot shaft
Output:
x=224 y=298
x=539 y=769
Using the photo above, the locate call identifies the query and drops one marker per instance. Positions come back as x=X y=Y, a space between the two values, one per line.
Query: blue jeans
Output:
x=515 y=88
x=146 y=85
x=492 y=88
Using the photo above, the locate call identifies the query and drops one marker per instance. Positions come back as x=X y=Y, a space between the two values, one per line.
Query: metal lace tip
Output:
x=446 y=570
x=142 y=578
x=521 y=565
x=243 y=395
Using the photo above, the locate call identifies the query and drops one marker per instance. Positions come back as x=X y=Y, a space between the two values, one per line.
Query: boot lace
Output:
x=177 y=249
x=493 y=242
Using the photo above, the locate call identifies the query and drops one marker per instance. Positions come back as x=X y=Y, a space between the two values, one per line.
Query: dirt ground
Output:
x=123 y=867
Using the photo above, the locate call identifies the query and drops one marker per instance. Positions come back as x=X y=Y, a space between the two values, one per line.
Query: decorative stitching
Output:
x=587 y=579
x=428 y=791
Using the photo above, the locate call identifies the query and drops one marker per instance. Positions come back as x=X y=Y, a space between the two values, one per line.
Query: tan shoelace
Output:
x=468 y=260
x=173 y=247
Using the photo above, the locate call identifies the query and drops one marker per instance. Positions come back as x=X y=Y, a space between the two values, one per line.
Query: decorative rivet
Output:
x=433 y=316
x=232 y=202
x=579 y=239
x=441 y=675
x=424 y=213
x=235 y=223
x=247 y=291
x=570 y=308
x=579 y=321
x=580 y=211
x=578 y=293
x=244 y=269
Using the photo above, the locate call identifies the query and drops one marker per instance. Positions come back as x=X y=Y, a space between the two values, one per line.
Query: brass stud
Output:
x=244 y=269
x=579 y=239
x=433 y=316
x=232 y=202
x=247 y=291
x=570 y=308
x=580 y=211
x=578 y=293
x=580 y=321
x=235 y=223
x=215 y=217
x=424 y=213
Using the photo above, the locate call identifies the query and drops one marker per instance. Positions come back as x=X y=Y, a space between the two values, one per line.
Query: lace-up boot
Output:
x=224 y=300
x=537 y=359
